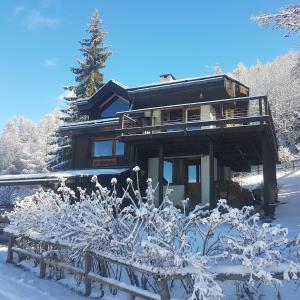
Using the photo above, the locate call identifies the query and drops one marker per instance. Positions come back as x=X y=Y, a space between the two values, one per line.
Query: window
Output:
x=194 y=174
x=168 y=171
x=102 y=148
x=172 y=115
x=194 y=114
x=119 y=148
x=114 y=107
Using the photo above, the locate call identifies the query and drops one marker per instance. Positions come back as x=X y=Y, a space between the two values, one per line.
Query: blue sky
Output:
x=39 y=43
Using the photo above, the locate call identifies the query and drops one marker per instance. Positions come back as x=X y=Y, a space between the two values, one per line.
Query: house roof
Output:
x=40 y=178
x=115 y=87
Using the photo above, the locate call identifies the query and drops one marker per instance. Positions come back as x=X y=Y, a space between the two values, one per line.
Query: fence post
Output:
x=42 y=264
x=163 y=289
x=87 y=270
x=10 y=253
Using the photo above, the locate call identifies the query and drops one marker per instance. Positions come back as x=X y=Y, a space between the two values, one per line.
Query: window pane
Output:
x=114 y=107
x=103 y=148
x=119 y=148
x=168 y=171
x=192 y=173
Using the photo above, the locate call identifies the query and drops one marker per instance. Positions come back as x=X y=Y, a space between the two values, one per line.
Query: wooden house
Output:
x=189 y=133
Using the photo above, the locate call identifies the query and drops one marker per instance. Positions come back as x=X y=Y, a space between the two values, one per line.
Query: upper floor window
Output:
x=173 y=115
x=114 y=107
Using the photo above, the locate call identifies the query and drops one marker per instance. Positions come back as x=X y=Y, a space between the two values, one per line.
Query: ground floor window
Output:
x=168 y=171
x=193 y=173
x=104 y=148
x=120 y=148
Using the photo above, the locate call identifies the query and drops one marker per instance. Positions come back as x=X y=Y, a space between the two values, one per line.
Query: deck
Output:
x=235 y=114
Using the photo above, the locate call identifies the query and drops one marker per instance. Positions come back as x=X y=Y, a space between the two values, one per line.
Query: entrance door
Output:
x=193 y=185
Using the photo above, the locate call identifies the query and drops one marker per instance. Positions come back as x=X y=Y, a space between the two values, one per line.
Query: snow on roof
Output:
x=56 y=176
x=89 y=124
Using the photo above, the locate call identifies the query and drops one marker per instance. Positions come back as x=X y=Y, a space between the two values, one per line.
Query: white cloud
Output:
x=18 y=10
x=65 y=94
x=36 y=20
x=51 y=62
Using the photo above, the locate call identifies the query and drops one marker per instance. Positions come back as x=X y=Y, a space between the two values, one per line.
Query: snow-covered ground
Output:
x=288 y=211
x=19 y=284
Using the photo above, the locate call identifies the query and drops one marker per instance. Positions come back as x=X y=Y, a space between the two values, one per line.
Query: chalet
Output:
x=190 y=133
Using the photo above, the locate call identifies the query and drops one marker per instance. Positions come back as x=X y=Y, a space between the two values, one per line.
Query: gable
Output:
x=108 y=91
x=114 y=104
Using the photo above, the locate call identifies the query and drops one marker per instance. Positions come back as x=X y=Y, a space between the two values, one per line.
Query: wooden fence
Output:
x=293 y=165
x=89 y=276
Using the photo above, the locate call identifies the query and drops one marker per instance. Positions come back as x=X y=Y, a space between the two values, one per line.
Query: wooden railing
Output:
x=224 y=113
x=41 y=256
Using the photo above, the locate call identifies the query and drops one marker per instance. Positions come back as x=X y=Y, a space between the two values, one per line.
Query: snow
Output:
x=88 y=124
x=62 y=174
x=287 y=213
x=18 y=284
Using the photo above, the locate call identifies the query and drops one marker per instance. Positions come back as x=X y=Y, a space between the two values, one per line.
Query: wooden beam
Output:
x=160 y=175
x=212 y=194
x=270 y=181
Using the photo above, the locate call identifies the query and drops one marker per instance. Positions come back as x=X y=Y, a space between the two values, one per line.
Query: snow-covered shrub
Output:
x=154 y=238
x=285 y=157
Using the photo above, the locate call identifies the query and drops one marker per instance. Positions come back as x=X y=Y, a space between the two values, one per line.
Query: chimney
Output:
x=167 y=77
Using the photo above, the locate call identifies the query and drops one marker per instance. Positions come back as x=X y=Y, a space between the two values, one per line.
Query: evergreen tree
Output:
x=95 y=53
x=89 y=79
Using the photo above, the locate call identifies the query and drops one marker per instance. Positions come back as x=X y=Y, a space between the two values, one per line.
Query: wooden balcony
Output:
x=188 y=119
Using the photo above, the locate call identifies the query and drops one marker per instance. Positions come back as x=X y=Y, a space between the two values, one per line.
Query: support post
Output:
x=212 y=194
x=163 y=289
x=270 y=181
x=87 y=270
x=10 y=253
x=132 y=160
x=160 y=175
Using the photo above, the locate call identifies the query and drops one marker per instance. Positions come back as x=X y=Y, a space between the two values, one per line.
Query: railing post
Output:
x=10 y=253
x=163 y=289
x=260 y=107
x=185 y=118
x=266 y=106
x=87 y=270
x=121 y=121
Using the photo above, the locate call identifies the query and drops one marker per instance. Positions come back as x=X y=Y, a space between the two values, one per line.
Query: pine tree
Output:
x=89 y=79
x=95 y=53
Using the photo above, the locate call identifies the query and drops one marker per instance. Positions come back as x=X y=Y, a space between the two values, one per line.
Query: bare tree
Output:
x=286 y=18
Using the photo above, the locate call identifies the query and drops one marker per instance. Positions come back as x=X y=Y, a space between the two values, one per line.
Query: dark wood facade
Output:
x=180 y=121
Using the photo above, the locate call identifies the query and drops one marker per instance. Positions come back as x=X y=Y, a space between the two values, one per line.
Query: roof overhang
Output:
x=55 y=177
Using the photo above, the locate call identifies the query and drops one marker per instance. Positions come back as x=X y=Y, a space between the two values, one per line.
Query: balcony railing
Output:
x=223 y=113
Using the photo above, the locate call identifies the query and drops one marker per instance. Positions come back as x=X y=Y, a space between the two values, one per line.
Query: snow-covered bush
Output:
x=285 y=157
x=155 y=238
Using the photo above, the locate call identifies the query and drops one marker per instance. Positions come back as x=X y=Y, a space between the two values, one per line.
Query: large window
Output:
x=103 y=148
x=114 y=107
